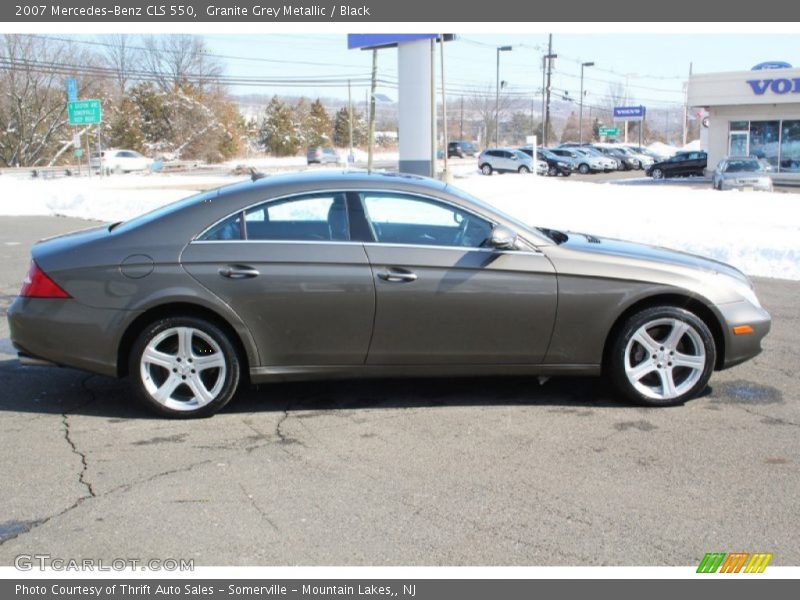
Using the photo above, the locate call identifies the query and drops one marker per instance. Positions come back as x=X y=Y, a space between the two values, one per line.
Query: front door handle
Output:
x=238 y=272
x=397 y=275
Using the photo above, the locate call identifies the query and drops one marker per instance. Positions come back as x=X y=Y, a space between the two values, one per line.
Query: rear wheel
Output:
x=486 y=169
x=184 y=367
x=662 y=356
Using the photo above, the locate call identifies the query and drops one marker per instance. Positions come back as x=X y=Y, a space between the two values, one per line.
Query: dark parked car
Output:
x=321 y=275
x=461 y=149
x=681 y=164
x=556 y=165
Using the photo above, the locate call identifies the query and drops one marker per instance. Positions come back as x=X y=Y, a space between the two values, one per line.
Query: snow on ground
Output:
x=757 y=232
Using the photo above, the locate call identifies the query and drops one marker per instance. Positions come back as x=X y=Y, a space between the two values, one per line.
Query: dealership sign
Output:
x=781 y=85
x=629 y=113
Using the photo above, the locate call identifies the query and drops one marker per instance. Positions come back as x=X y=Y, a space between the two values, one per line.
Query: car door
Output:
x=443 y=298
x=287 y=267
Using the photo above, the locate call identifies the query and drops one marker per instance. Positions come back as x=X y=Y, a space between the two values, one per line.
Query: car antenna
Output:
x=256 y=175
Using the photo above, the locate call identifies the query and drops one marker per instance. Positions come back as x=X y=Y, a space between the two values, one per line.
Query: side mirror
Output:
x=502 y=239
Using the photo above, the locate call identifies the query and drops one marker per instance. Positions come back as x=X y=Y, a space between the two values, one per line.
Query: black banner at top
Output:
x=367 y=11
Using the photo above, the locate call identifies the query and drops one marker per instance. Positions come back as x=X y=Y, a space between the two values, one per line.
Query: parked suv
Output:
x=504 y=160
x=322 y=155
x=556 y=165
x=682 y=164
x=461 y=149
x=586 y=160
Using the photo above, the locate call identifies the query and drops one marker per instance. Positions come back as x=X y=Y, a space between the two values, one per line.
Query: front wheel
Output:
x=662 y=356
x=184 y=367
x=486 y=169
x=657 y=174
x=523 y=169
x=583 y=169
x=552 y=171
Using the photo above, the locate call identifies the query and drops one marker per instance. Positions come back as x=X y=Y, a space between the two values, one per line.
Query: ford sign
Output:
x=781 y=85
x=771 y=64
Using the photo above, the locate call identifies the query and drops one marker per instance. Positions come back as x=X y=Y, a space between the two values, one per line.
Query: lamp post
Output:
x=497 y=96
x=580 y=119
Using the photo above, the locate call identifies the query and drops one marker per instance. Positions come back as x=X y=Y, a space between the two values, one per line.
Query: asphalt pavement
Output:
x=414 y=472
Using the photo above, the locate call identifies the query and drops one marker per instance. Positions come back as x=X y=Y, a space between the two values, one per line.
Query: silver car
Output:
x=322 y=155
x=741 y=173
x=506 y=160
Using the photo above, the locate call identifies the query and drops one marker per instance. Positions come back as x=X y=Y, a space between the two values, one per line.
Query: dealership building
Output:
x=752 y=113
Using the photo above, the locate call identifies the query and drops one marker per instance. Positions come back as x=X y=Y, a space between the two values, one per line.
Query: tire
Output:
x=180 y=344
x=118 y=170
x=662 y=356
x=657 y=173
x=523 y=169
x=552 y=172
x=486 y=169
x=583 y=169
x=566 y=173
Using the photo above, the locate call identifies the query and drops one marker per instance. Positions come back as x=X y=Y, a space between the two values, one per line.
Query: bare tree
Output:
x=33 y=119
x=482 y=103
x=121 y=58
x=179 y=60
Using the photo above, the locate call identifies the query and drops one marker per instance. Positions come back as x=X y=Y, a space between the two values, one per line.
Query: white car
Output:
x=119 y=161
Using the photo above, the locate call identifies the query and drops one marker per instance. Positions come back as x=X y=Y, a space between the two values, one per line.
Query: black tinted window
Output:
x=302 y=218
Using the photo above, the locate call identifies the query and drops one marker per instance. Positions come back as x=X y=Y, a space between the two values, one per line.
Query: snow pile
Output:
x=757 y=232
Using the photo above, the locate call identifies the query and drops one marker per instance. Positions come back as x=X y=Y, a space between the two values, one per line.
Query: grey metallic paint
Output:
x=319 y=309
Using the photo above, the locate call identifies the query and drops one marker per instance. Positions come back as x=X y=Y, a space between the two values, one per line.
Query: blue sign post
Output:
x=72 y=90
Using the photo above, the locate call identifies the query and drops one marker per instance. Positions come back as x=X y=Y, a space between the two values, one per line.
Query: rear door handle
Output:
x=397 y=275
x=238 y=272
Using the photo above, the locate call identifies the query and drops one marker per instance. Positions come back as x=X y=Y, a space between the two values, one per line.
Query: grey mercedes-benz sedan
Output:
x=350 y=274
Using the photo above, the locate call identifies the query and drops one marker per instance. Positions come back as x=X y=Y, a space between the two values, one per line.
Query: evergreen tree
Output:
x=318 y=131
x=125 y=127
x=278 y=133
x=341 y=129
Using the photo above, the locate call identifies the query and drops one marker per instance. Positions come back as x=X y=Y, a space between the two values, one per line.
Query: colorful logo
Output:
x=736 y=562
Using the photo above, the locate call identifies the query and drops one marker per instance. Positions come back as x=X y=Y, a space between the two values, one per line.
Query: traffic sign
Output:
x=84 y=112
x=608 y=131
x=629 y=113
x=72 y=90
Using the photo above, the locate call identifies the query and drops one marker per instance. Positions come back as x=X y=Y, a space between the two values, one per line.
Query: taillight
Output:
x=38 y=285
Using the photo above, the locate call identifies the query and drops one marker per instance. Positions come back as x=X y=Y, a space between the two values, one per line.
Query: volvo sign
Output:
x=781 y=85
x=629 y=113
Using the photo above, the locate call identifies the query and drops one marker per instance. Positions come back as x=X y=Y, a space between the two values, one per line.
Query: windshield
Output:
x=521 y=155
x=744 y=166
x=547 y=154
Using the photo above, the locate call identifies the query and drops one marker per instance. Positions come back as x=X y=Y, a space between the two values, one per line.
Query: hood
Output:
x=657 y=255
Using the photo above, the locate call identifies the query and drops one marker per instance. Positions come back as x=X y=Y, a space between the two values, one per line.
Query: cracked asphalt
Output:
x=413 y=472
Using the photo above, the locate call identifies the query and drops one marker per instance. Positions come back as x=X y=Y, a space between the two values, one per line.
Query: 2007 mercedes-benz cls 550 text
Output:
x=350 y=274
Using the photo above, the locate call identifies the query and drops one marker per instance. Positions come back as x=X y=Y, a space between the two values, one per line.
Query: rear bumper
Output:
x=66 y=333
x=739 y=348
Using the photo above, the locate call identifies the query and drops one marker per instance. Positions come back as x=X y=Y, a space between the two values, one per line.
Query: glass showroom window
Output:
x=765 y=140
x=790 y=146
x=739 y=138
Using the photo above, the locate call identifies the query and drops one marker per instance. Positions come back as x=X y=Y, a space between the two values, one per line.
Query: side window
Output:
x=302 y=218
x=399 y=219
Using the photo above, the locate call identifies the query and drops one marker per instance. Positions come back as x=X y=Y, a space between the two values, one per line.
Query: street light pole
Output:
x=497 y=96
x=580 y=119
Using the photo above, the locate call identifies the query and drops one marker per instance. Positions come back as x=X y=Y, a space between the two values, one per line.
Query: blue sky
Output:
x=656 y=64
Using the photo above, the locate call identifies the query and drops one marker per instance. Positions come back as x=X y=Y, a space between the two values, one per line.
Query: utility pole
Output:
x=686 y=108
x=350 y=157
x=626 y=104
x=497 y=95
x=445 y=173
x=580 y=122
x=461 y=125
x=550 y=56
x=371 y=140
x=433 y=108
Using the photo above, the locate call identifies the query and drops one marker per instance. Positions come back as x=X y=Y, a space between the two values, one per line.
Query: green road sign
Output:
x=608 y=131
x=84 y=112
x=78 y=152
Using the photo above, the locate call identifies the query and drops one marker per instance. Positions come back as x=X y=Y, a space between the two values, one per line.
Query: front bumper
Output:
x=739 y=348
